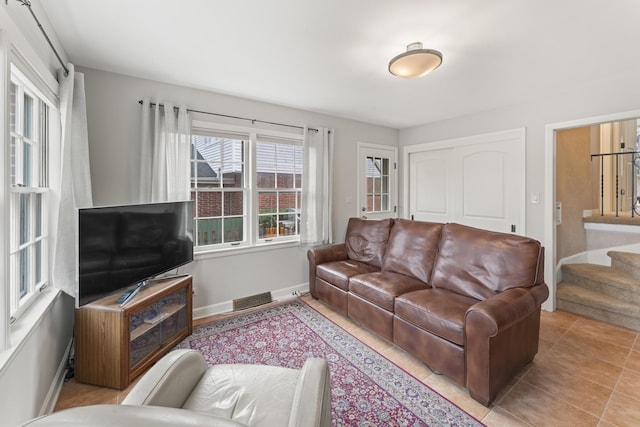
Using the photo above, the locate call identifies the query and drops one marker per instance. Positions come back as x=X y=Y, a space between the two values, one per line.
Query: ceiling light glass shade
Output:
x=415 y=62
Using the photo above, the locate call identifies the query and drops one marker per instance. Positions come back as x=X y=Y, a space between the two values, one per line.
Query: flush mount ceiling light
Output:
x=415 y=62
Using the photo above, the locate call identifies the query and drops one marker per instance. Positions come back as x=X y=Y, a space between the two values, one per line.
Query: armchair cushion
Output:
x=251 y=395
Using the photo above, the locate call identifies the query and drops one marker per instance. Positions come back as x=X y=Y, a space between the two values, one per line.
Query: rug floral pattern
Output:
x=367 y=389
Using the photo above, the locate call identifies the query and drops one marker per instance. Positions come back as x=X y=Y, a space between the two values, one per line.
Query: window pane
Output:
x=27 y=164
x=233 y=203
x=266 y=179
x=267 y=226
x=233 y=229
x=209 y=231
x=24 y=272
x=13 y=105
x=267 y=202
x=24 y=218
x=285 y=180
x=28 y=117
x=209 y=204
x=38 y=261
x=38 y=212
x=13 y=160
x=233 y=177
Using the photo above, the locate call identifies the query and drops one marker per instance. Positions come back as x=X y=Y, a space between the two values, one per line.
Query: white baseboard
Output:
x=53 y=393
x=227 y=306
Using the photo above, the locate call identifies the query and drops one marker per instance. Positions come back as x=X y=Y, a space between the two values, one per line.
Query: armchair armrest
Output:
x=501 y=337
x=170 y=381
x=317 y=256
x=312 y=400
x=119 y=415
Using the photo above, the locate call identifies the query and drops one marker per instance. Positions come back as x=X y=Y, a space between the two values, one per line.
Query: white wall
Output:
x=113 y=115
x=602 y=98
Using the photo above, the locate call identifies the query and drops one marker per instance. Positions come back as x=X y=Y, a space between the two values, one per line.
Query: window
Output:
x=218 y=187
x=279 y=186
x=28 y=242
x=377 y=184
x=246 y=187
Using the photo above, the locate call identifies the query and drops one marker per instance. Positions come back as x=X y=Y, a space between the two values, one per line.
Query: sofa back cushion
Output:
x=480 y=263
x=412 y=248
x=366 y=240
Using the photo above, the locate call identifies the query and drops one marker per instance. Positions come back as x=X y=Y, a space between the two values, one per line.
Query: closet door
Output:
x=480 y=183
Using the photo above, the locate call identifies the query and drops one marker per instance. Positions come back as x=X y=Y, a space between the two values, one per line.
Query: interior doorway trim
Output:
x=551 y=273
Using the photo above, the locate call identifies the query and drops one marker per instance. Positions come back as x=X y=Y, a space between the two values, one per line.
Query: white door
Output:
x=480 y=184
x=377 y=181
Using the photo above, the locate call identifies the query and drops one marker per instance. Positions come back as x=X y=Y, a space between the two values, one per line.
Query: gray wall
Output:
x=114 y=133
x=600 y=99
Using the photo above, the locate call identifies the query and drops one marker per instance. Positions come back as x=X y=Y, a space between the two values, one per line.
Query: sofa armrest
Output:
x=312 y=400
x=501 y=337
x=317 y=256
x=170 y=381
x=504 y=309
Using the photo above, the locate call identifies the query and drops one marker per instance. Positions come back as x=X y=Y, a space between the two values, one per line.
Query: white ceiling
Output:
x=331 y=56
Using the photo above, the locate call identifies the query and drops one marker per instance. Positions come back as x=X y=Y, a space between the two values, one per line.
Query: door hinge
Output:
x=395 y=209
x=395 y=165
x=513 y=228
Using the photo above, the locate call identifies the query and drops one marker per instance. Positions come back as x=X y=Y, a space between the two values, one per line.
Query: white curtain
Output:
x=75 y=178
x=316 y=187
x=165 y=153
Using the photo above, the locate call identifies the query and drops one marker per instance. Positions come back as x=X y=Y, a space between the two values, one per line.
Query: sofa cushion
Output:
x=381 y=288
x=480 y=263
x=366 y=240
x=412 y=248
x=338 y=272
x=436 y=310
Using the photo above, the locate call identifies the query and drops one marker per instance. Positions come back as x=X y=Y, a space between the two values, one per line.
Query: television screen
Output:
x=120 y=246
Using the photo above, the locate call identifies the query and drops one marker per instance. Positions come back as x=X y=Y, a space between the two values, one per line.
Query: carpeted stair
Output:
x=610 y=294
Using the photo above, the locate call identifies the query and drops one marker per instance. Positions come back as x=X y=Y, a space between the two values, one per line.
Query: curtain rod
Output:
x=151 y=104
x=28 y=4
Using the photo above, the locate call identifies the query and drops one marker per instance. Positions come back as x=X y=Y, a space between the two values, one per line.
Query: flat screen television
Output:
x=122 y=246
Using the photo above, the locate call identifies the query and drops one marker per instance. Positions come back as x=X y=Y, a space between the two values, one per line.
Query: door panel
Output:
x=430 y=186
x=481 y=185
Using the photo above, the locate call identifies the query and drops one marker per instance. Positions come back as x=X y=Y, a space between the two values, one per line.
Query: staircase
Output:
x=610 y=294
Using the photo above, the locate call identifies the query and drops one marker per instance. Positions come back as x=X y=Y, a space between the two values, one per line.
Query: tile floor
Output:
x=586 y=373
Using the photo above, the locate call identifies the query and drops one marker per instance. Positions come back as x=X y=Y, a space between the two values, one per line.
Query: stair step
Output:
x=626 y=262
x=585 y=302
x=604 y=280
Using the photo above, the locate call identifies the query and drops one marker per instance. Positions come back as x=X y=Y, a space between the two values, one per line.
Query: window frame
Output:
x=252 y=240
x=38 y=188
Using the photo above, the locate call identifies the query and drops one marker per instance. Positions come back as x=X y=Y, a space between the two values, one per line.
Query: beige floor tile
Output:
x=74 y=394
x=498 y=417
x=614 y=335
x=595 y=346
x=575 y=389
x=540 y=408
x=633 y=362
x=622 y=411
x=559 y=319
x=629 y=384
x=567 y=358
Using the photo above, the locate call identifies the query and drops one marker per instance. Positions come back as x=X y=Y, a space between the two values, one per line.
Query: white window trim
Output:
x=252 y=243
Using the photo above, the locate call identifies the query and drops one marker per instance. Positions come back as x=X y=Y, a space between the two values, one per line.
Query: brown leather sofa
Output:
x=464 y=301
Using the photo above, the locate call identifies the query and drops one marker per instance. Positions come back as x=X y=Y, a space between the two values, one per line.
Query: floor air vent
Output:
x=251 y=301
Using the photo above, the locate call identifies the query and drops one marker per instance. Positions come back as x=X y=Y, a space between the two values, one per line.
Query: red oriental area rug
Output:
x=367 y=388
